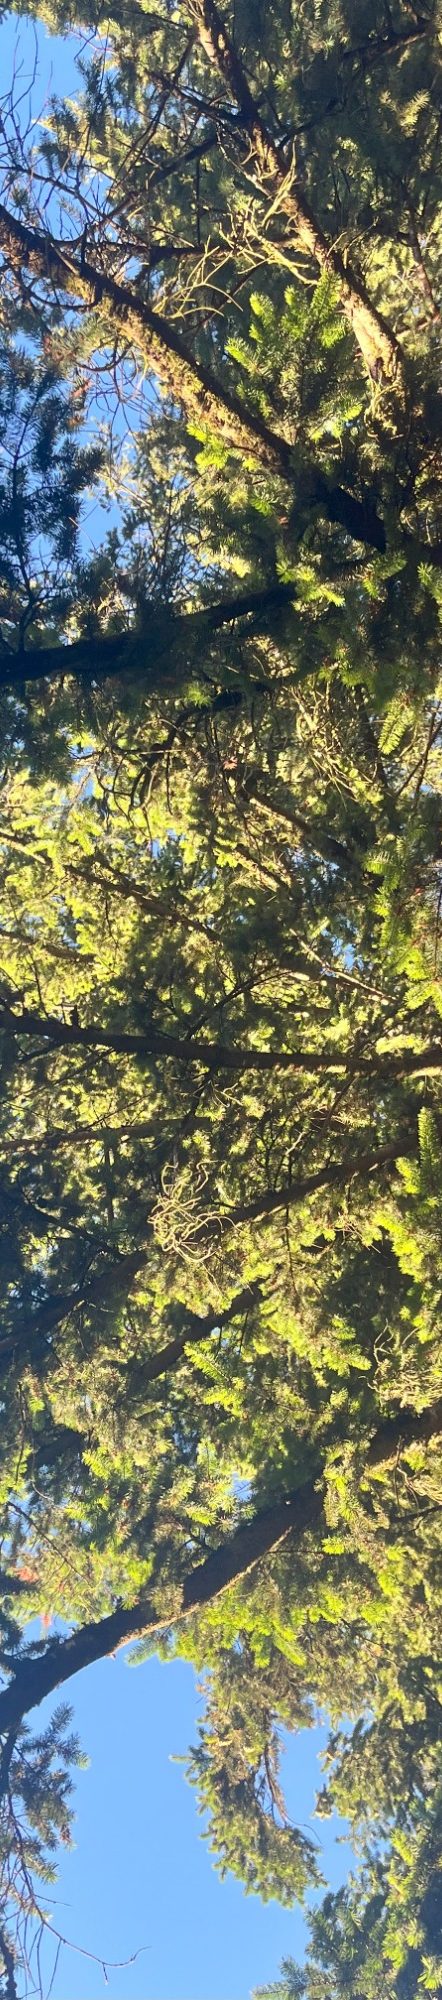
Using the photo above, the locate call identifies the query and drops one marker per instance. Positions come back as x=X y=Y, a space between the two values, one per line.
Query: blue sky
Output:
x=141 y=1873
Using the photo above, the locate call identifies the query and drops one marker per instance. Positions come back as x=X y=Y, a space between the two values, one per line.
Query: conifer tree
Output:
x=220 y=935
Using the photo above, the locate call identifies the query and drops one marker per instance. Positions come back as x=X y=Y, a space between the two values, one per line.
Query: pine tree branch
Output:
x=206 y=399
x=38 y=1673
x=159 y=339
x=58 y=1307
x=216 y=1055
x=193 y=153
x=378 y=345
x=315 y=835
x=378 y=47
x=404 y=1429
x=335 y=1173
x=212 y=1055
x=139 y=1375
x=196 y=1328
x=160 y=648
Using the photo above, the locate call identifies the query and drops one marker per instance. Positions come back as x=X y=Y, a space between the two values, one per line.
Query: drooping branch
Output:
x=378 y=345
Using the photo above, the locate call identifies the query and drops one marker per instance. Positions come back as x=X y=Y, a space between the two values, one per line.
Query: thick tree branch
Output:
x=161 y=648
x=216 y=1055
x=378 y=345
x=196 y=1327
x=38 y=1673
x=337 y=1173
x=158 y=339
x=140 y=1374
x=212 y=1055
x=204 y=396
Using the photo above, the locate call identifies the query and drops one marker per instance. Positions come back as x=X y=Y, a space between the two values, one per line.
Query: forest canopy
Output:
x=221 y=936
